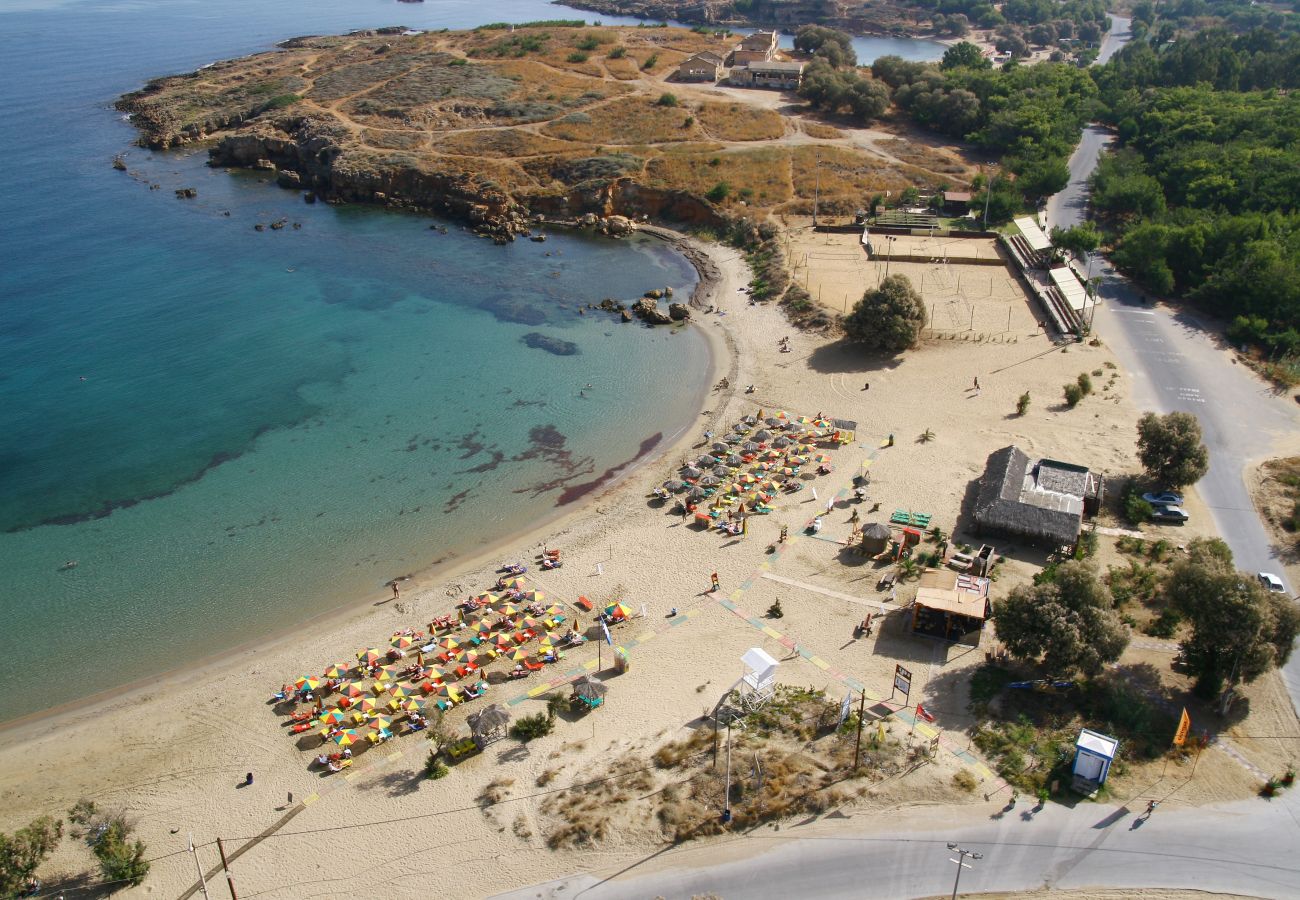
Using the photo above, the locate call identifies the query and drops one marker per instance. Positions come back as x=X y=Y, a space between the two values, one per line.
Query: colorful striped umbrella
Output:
x=519 y=654
x=371 y=657
x=338 y=670
x=399 y=692
x=345 y=737
x=617 y=611
x=307 y=681
x=333 y=717
x=534 y=596
x=514 y=581
x=401 y=641
x=449 y=643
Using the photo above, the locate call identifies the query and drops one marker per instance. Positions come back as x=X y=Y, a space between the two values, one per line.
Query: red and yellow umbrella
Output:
x=514 y=581
x=371 y=657
x=338 y=670
x=307 y=682
x=345 y=737
x=401 y=641
x=333 y=717
x=617 y=611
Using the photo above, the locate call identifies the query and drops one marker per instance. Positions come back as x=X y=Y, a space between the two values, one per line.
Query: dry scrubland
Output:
x=540 y=110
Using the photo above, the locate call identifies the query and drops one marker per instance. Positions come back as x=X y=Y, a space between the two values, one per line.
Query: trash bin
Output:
x=621 y=661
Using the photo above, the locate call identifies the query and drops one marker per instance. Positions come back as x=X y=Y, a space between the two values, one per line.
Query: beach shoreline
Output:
x=337 y=617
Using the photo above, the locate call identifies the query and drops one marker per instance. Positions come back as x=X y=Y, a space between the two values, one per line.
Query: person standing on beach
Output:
x=977 y=382
x=714 y=579
x=397 y=591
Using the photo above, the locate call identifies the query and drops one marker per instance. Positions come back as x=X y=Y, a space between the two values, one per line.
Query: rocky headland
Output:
x=502 y=128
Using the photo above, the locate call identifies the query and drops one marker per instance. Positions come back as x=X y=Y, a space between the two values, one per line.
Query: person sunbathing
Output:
x=322 y=760
x=549 y=564
x=335 y=767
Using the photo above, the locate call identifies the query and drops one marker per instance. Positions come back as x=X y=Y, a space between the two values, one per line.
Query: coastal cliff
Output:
x=501 y=125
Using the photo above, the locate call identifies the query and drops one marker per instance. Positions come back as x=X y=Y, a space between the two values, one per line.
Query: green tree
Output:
x=888 y=318
x=834 y=46
x=1239 y=630
x=22 y=852
x=1068 y=622
x=120 y=858
x=1170 y=449
x=964 y=54
x=1079 y=239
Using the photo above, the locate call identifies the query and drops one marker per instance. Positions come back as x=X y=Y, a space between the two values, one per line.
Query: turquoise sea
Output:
x=231 y=431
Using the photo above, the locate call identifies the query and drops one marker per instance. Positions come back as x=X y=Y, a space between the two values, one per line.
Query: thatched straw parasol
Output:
x=588 y=687
x=710 y=480
x=672 y=484
x=488 y=719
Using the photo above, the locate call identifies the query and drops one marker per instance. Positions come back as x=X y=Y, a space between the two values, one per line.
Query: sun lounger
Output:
x=533 y=666
x=464 y=747
x=916 y=520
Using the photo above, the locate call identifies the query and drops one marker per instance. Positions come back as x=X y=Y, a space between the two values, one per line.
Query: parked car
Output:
x=1164 y=498
x=1165 y=513
x=1271 y=582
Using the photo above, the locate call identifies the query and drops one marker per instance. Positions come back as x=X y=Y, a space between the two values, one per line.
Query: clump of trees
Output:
x=1239 y=631
x=1066 y=620
x=889 y=318
x=1030 y=114
x=832 y=82
x=1200 y=197
x=1170 y=449
x=829 y=44
x=22 y=853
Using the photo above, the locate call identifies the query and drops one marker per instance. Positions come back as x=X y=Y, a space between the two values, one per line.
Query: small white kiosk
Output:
x=1093 y=754
x=759 y=681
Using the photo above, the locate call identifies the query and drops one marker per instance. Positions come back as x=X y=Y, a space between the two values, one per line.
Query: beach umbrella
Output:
x=719 y=447
x=490 y=718
x=672 y=484
x=734 y=438
x=449 y=643
x=333 y=717
x=617 y=611
x=514 y=581
x=721 y=471
x=379 y=722
x=399 y=692
x=750 y=420
x=706 y=461
x=696 y=494
x=345 y=737
x=795 y=427
x=588 y=687
x=782 y=441
x=710 y=480
x=534 y=596
x=371 y=657
x=338 y=670
x=764 y=435
x=308 y=682
x=354 y=691
x=691 y=472
x=401 y=642
x=519 y=654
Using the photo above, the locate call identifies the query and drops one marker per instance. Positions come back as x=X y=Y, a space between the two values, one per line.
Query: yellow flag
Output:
x=1184 y=725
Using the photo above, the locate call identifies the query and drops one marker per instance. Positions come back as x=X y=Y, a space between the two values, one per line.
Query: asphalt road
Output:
x=1178 y=363
x=1247 y=848
x=1244 y=848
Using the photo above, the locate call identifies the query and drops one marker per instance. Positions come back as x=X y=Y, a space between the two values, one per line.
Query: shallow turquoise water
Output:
x=230 y=431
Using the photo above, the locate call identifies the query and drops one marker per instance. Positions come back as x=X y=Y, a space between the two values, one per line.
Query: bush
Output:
x=1085 y=383
x=22 y=852
x=888 y=318
x=965 y=780
x=120 y=858
x=718 y=192
x=775 y=611
x=577 y=56
x=1022 y=405
x=1165 y=625
x=1137 y=510
x=1073 y=394
x=434 y=767
x=530 y=728
x=667 y=99
x=618 y=53
x=650 y=63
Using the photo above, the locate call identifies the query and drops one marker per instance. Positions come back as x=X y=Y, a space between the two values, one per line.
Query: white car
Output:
x=1271 y=582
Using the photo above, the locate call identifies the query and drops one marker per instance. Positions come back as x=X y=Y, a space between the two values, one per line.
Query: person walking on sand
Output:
x=714 y=581
x=785 y=530
x=977 y=382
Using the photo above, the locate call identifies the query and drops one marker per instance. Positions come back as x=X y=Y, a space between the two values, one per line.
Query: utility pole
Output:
x=988 y=194
x=225 y=867
x=726 y=797
x=203 y=884
x=857 y=744
x=817 y=191
x=961 y=864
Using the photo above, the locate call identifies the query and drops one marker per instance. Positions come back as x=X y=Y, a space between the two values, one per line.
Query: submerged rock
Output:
x=553 y=345
x=679 y=312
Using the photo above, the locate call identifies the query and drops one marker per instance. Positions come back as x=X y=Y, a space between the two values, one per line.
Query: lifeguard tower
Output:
x=758 y=684
x=1093 y=754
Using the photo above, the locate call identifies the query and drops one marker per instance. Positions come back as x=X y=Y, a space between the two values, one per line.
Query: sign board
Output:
x=903 y=680
x=844 y=708
x=1184 y=725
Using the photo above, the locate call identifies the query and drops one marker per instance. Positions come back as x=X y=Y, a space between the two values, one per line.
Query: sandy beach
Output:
x=172 y=754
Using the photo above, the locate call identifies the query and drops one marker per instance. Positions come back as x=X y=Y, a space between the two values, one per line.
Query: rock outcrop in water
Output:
x=553 y=345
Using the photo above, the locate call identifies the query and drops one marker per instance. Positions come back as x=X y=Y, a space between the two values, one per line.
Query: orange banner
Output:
x=1184 y=725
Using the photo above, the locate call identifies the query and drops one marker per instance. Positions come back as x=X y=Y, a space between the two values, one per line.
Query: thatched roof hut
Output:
x=875 y=538
x=1041 y=501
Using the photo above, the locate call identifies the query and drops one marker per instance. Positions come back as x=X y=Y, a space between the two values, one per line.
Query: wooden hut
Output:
x=1042 y=501
x=951 y=606
x=875 y=538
